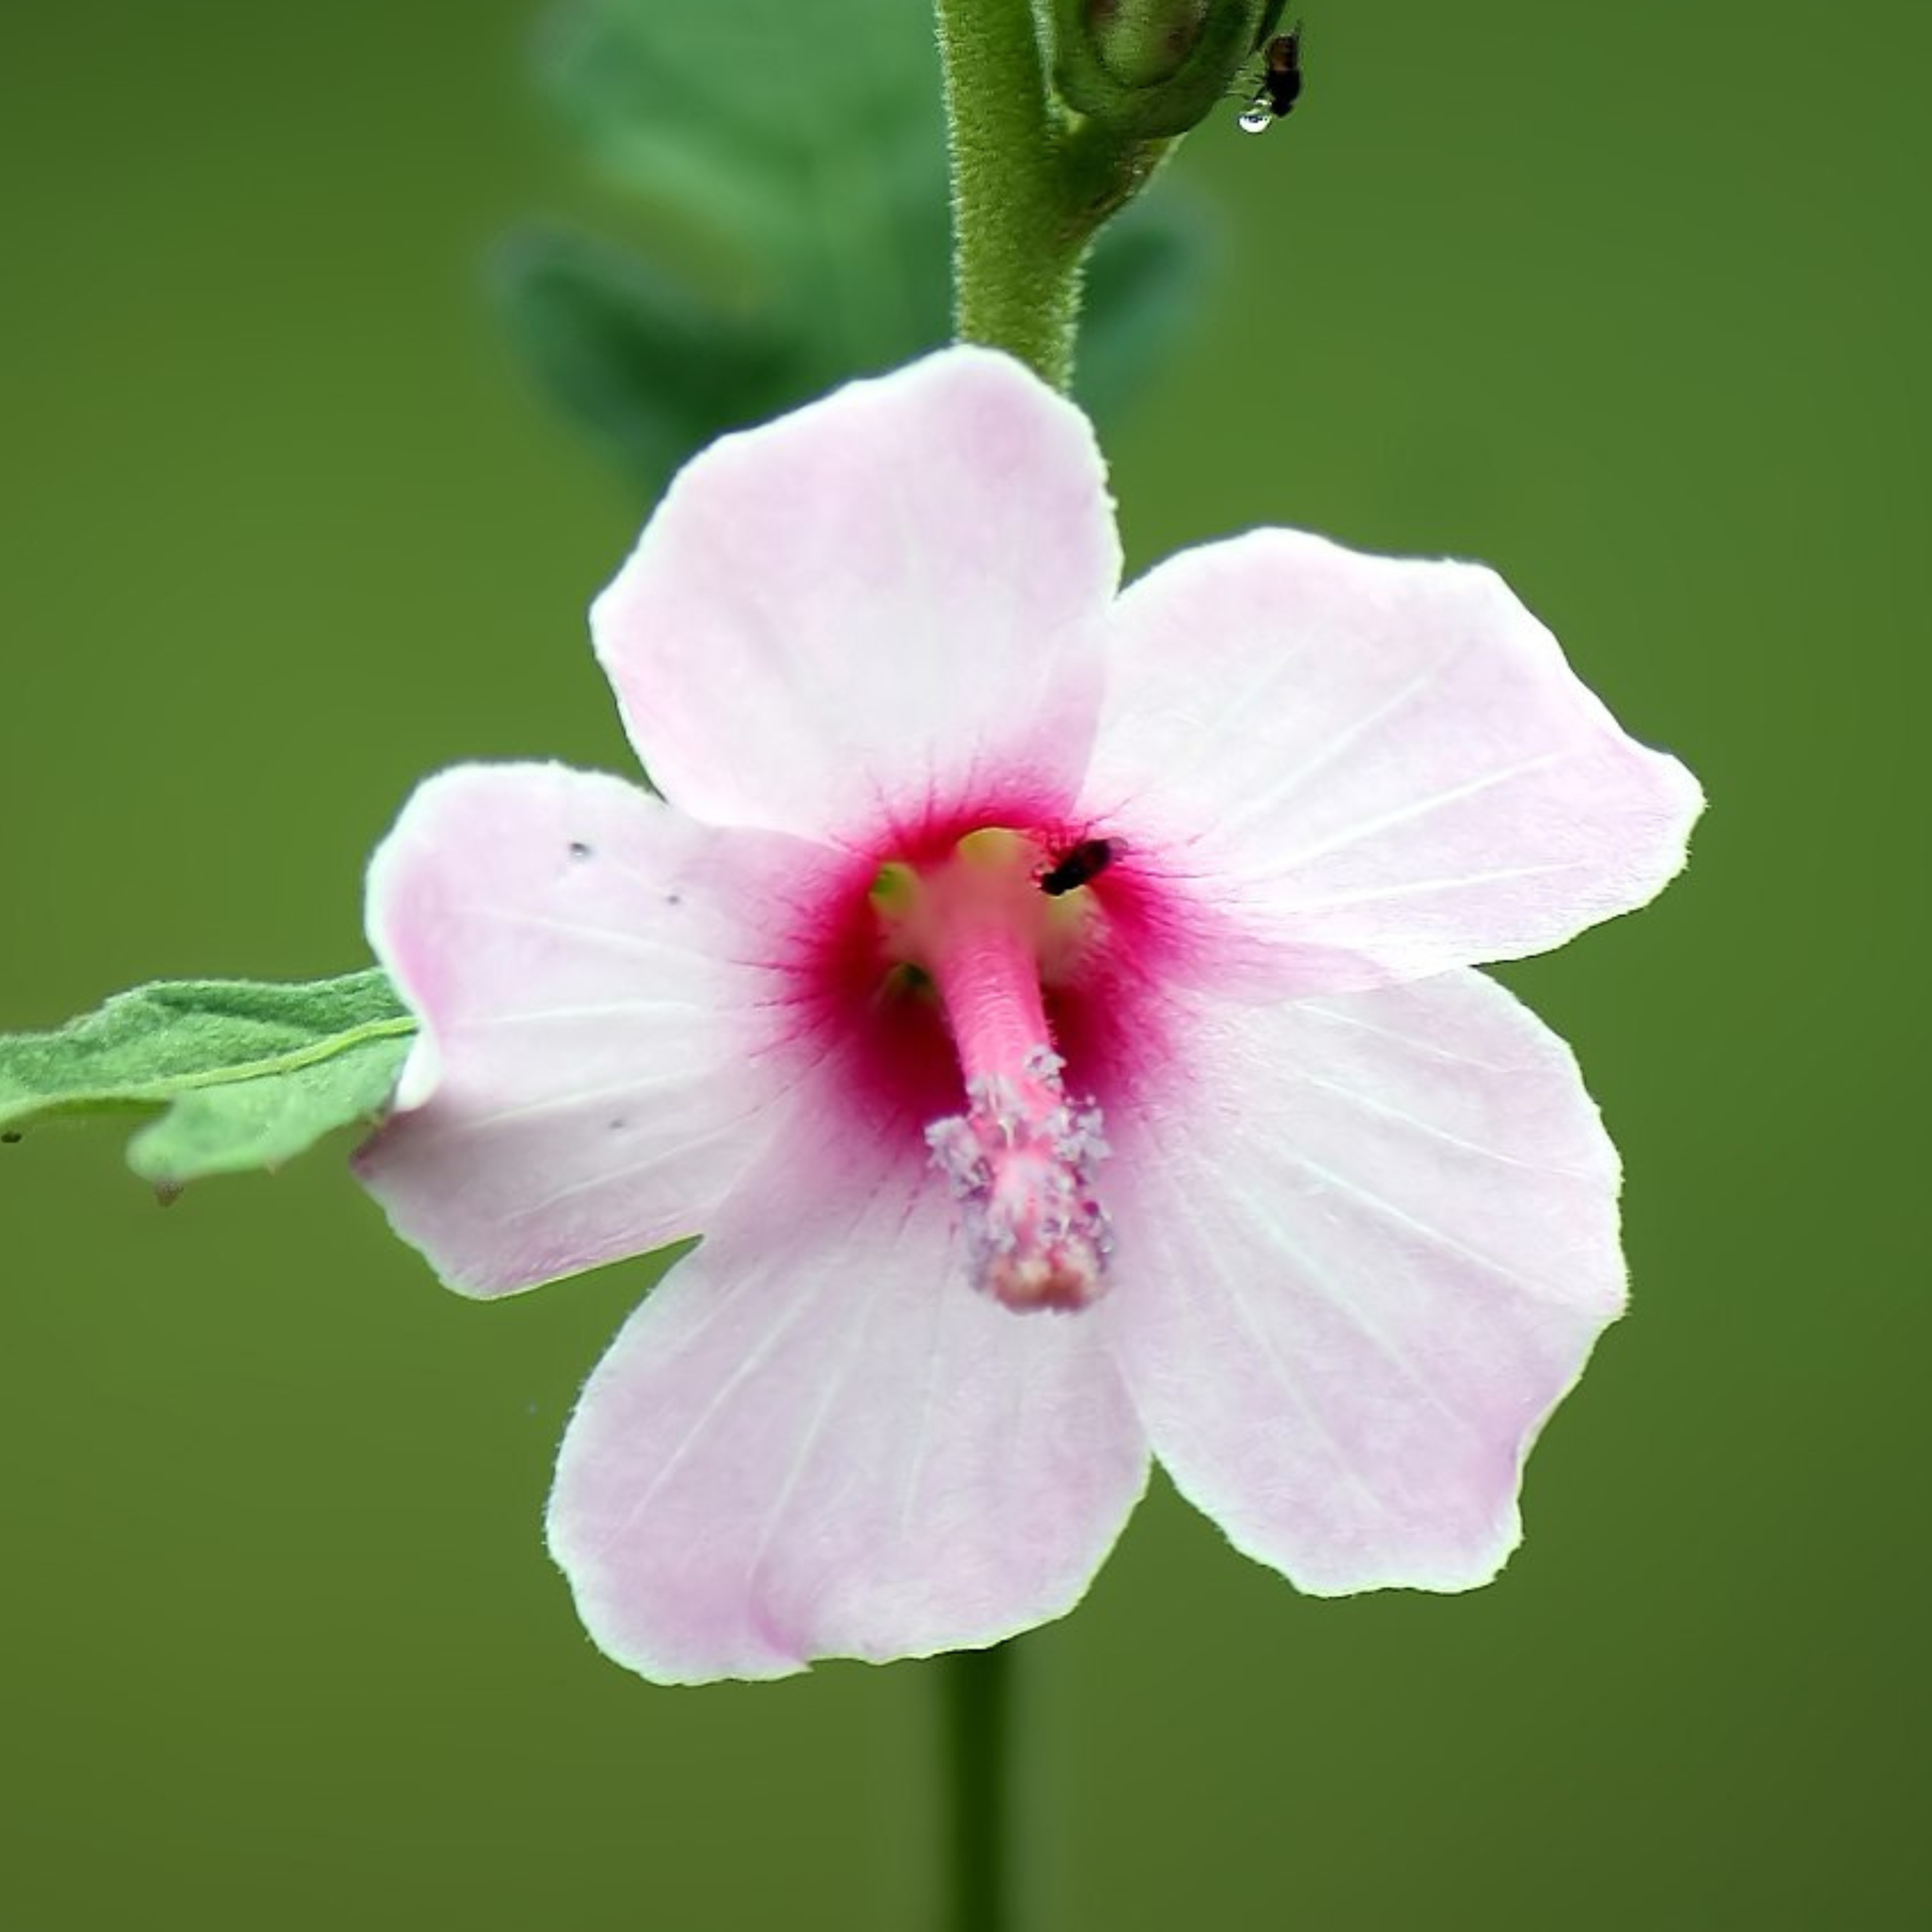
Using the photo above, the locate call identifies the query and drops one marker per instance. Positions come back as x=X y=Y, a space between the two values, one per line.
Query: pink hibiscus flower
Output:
x=1003 y=942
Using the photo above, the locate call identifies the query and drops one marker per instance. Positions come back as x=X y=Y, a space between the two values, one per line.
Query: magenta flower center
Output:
x=976 y=928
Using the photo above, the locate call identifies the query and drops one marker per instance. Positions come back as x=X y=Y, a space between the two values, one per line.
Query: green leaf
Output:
x=1143 y=286
x=638 y=359
x=789 y=173
x=801 y=138
x=788 y=167
x=251 y=1073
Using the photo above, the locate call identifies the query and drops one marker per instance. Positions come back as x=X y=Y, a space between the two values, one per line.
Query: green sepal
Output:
x=250 y=1073
x=1105 y=66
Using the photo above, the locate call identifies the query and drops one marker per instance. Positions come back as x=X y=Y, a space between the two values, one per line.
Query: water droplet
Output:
x=1257 y=117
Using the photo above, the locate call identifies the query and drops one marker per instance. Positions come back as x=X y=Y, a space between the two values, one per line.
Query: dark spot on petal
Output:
x=673 y=899
x=578 y=849
x=1076 y=865
x=617 y=1124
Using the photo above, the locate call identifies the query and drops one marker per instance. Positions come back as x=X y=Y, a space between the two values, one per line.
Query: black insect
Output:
x=1076 y=865
x=1280 y=85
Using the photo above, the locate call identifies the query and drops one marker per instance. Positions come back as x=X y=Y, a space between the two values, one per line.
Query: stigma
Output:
x=1019 y=1161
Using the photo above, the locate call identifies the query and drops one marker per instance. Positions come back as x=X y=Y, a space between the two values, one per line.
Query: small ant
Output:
x=1076 y=865
x=1280 y=86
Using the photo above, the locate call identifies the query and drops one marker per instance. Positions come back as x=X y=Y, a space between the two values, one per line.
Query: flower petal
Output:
x=813 y=1440
x=875 y=612
x=1347 y=1297
x=605 y=1032
x=1366 y=770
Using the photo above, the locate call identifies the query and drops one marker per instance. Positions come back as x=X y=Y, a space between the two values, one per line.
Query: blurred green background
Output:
x=1630 y=301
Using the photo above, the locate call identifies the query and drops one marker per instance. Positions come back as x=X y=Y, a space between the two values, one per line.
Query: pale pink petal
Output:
x=814 y=1440
x=603 y=989
x=1350 y=770
x=875 y=613
x=1354 y=1274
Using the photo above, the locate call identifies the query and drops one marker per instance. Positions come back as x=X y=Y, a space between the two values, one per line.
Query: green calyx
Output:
x=1059 y=112
x=1149 y=70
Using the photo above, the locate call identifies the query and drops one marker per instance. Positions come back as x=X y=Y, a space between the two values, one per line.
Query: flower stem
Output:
x=1015 y=258
x=978 y=1692
x=1040 y=166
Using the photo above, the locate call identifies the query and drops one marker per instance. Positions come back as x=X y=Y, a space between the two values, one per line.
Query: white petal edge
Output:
x=1349 y=771
x=815 y=1441
x=874 y=612
x=1348 y=1294
x=606 y=1038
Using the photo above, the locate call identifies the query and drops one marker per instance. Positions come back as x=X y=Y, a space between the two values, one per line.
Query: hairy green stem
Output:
x=1045 y=147
x=1016 y=254
x=977 y=1686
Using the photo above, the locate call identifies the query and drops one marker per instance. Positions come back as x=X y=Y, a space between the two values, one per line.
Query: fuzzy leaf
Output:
x=809 y=141
x=791 y=163
x=1143 y=285
x=639 y=361
x=251 y=1073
